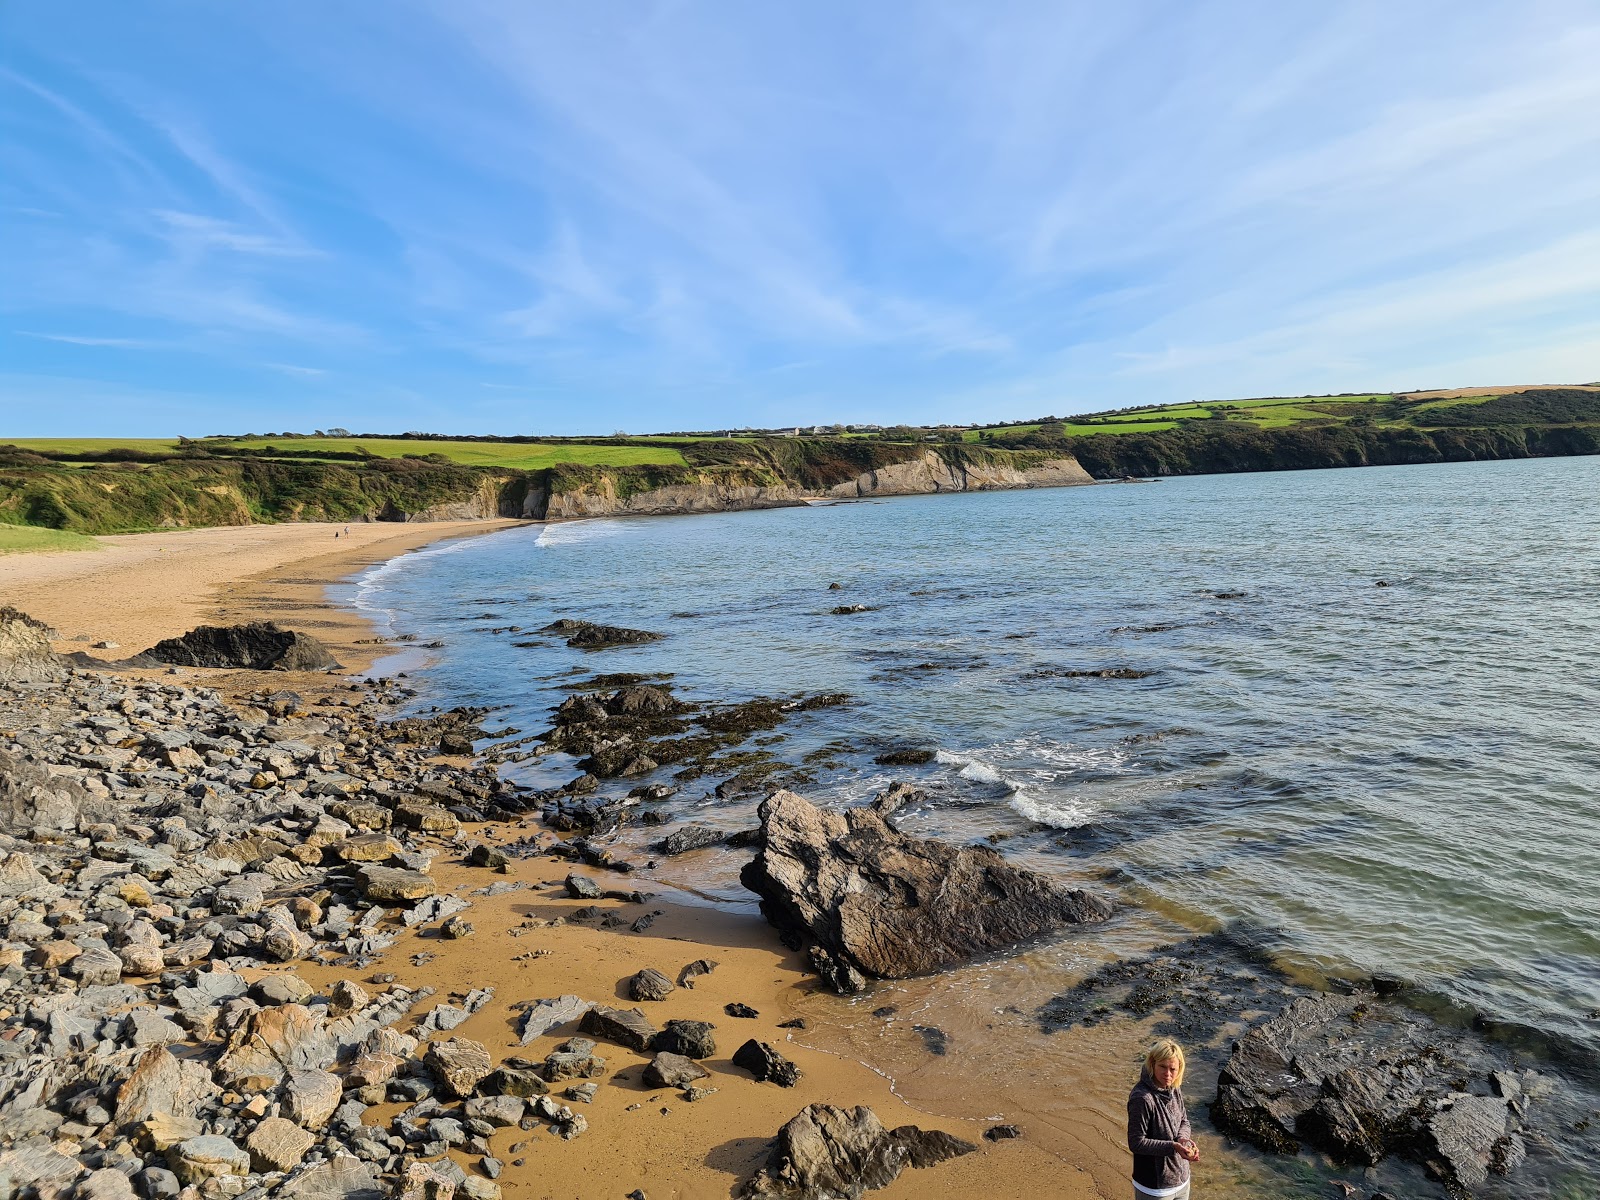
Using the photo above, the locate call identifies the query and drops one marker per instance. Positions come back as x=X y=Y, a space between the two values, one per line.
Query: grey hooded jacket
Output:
x=1156 y=1120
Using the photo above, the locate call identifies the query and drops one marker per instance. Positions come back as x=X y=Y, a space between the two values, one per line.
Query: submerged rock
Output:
x=881 y=904
x=826 y=1152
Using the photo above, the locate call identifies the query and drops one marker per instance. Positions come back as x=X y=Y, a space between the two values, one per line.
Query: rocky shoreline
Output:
x=198 y=891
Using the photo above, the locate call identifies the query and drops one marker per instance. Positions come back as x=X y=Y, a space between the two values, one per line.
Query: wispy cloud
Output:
x=75 y=339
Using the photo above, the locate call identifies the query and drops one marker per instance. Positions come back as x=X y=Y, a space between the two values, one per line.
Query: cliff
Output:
x=179 y=491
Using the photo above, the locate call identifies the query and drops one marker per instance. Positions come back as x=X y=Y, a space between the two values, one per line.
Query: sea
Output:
x=1350 y=716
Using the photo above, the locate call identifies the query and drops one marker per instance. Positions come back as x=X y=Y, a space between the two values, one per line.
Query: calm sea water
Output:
x=1401 y=779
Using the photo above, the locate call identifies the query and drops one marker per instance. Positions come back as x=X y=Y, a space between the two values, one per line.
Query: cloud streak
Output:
x=683 y=215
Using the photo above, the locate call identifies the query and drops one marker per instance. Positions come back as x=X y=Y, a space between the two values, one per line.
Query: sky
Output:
x=496 y=216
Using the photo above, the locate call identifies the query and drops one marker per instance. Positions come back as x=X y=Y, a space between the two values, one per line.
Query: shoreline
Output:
x=524 y=945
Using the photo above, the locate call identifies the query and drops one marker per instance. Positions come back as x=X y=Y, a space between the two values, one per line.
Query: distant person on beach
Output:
x=1158 y=1127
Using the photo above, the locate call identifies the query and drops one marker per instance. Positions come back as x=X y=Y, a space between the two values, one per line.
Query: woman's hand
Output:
x=1188 y=1149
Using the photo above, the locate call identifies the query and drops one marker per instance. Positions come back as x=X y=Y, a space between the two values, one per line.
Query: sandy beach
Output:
x=144 y=587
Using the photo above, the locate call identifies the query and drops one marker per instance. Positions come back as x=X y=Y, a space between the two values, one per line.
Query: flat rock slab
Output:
x=880 y=904
x=393 y=885
x=544 y=1015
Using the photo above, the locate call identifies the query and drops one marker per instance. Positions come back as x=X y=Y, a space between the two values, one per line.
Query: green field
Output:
x=529 y=456
x=20 y=539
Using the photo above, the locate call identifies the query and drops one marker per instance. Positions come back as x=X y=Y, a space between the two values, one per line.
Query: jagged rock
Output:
x=209 y=1156
x=32 y=798
x=897 y=795
x=277 y=1144
x=585 y=635
x=693 y=1039
x=1260 y=1094
x=766 y=1064
x=107 y=1183
x=649 y=984
x=544 y=1015
x=690 y=837
x=274 y=1042
x=162 y=1084
x=673 y=1070
x=626 y=1026
x=25 y=654
x=256 y=646
x=882 y=904
x=825 y=1153
x=460 y=1065
x=1462 y=1139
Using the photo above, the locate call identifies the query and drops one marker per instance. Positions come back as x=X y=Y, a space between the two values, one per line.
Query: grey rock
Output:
x=885 y=905
x=766 y=1064
x=460 y=1065
x=649 y=984
x=626 y=1026
x=209 y=1156
x=581 y=887
x=825 y=1153
x=277 y=1144
x=692 y=1039
x=673 y=1070
x=542 y=1016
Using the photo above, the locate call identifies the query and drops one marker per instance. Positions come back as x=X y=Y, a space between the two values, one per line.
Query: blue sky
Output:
x=505 y=216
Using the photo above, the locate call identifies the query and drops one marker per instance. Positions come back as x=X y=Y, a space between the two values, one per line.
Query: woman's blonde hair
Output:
x=1160 y=1052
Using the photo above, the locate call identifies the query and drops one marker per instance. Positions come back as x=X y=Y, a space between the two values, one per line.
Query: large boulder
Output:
x=25 y=654
x=881 y=904
x=827 y=1152
x=256 y=646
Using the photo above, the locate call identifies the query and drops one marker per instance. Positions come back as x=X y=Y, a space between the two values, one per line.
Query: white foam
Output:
x=572 y=533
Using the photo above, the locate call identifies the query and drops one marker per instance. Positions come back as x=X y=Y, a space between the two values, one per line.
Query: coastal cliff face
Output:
x=606 y=495
x=932 y=473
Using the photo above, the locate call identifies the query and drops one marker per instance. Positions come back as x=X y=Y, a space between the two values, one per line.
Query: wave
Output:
x=574 y=533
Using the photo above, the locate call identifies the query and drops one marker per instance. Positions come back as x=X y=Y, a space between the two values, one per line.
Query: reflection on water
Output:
x=1196 y=688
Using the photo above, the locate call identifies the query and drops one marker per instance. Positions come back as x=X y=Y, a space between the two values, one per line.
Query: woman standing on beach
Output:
x=1158 y=1127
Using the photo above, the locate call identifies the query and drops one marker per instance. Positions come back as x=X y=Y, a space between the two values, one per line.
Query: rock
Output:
x=882 y=904
x=897 y=795
x=498 y=1111
x=649 y=984
x=163 y=1085
x=1260 y=1094
x=693 y=971
x=460 y=1065
x=209 y=1156
x=367 y=848
x=96 y=966
x=516 y=1077
x=583 y=1093
x=455 y=743
x=429 y=818
x=673 y=1070
x=1001 y=1133
x=1462 y=1137
x=626 y=1026
x=257 y=646
x=25 y=654
x=339 y=1178
x=690 y=837
x=766 y=1064
x=573 y=1059
x=581 y=887
x=310 y=1098
x=346 y=996
x=283 y=989
x=542 y=1016
x=585 y=635
x=487 y=856
x=107 y=1183
x=277 y=1144
x=272 y=1043
x=387 y=885
x=33 y=798
x=158 y=1183
x=742 y=1011
x=692 y=1039
x=455 y=928
x=18 y=875
x=240 y=895
x=825 y=1153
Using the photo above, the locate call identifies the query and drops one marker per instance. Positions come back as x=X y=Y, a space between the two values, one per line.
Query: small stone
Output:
x=455 y=928
x=1000 y=1133
x=743 y=1011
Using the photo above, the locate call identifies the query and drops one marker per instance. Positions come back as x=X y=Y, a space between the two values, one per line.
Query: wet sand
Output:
x=149 y=586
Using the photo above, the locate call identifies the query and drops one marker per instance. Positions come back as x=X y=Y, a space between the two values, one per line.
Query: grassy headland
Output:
x=106 y=485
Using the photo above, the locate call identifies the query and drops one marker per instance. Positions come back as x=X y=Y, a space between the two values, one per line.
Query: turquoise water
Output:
x=1401 y=779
